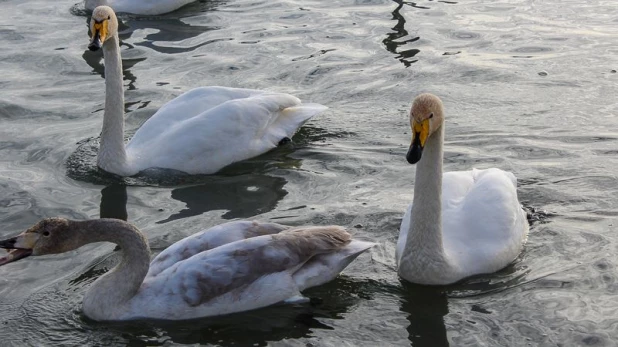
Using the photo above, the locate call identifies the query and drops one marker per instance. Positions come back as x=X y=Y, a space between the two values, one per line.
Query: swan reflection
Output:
x=169 y=28
x=242 y=196
x=258 y=327
x=114 y=202
x=392 y=42
x=426 y=307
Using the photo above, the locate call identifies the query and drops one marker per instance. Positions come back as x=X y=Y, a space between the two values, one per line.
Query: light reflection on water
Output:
x=528 y=87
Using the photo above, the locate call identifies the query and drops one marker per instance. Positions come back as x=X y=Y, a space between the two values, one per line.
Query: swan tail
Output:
x=326 y=267
x=294 y=117
x=316 y=239
x=290 y=119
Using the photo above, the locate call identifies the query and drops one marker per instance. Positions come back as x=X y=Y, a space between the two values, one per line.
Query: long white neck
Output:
x=423 y=259
x=109 y=295
x=112 y=155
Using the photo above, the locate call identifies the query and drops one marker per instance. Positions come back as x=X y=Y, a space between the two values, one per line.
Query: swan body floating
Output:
x=199 y=132
x=460 y=223
x=232 y=267
x=143 y=7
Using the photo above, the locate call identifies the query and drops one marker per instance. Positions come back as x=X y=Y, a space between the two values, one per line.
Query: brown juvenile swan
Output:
x=231 y=267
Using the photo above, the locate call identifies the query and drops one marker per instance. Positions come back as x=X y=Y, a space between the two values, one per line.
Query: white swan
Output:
x=143 y=7
x=459 y=223
x=199 y=132
x=229 y=268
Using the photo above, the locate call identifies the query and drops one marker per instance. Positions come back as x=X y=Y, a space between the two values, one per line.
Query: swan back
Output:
x=239 y=124
x=211 y=238
x=240 y=275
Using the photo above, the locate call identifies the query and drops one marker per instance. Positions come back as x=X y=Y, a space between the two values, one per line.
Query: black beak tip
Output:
x=8 y=244
x=414 y=154
x=94 y=46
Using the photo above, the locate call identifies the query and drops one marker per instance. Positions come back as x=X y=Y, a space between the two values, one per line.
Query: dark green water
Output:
x=528 y=86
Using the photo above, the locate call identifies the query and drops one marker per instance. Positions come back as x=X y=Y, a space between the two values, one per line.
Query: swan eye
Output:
x=430 y=115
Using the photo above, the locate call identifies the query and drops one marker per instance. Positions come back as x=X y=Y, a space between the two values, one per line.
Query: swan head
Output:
x=103 y=25
x=49 y=236
x=426 y=117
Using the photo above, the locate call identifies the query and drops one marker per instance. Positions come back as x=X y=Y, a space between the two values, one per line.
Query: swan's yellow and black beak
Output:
x=420 y=133
x=19 y=247
x=99 y=34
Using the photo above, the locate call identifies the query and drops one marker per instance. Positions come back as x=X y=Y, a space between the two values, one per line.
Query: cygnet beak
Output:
x=17 y=249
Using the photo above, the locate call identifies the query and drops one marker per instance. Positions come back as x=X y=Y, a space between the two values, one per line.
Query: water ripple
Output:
x=527 y=85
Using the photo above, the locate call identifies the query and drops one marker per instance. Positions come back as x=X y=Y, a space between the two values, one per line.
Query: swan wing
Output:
x=403 y=234
x=484 y=225
x=186 y=106
x=234 y=130
x=237 y=276
x=208 y=239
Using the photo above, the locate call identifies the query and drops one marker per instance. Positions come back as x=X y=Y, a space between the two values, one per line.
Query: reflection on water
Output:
x=169 y=27
x=114 y=202
x=95 y=61
x=168 y=30
x=426 y=307
x=242 y=196
x=406 y=56
x=362 y=59
x=253 y=328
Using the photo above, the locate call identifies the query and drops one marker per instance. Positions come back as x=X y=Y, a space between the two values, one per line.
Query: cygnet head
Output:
x=49 y=236
x=103 y=26
x=426 y=117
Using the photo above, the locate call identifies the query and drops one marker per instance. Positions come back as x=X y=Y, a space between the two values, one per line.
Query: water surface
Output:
x=528 y=86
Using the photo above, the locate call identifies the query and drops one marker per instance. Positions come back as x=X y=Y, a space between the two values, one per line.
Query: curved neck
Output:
x=110 y=294
x=424 y=251
x=112 y=155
